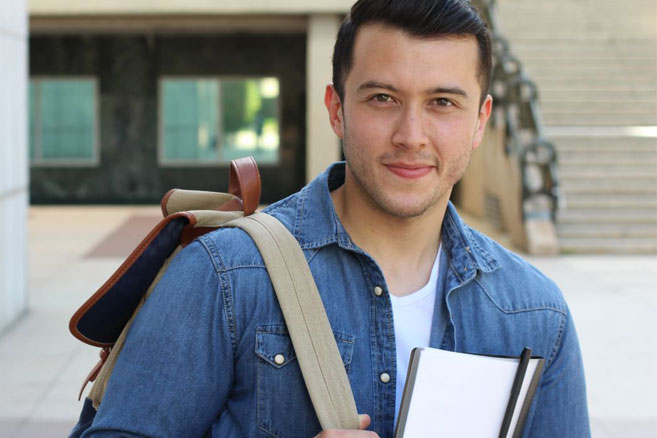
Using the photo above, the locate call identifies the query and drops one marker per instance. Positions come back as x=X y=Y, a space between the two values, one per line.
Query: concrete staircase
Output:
x=595 y=63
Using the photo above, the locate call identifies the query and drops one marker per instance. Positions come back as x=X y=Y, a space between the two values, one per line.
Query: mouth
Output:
x=409 y=170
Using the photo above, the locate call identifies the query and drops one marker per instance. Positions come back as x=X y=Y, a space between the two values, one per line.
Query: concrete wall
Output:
x=187 y=7
x=13 y=161
x=491 y=190
x=323 y=145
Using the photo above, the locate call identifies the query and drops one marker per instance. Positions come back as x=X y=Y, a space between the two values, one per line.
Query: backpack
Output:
x=105 y=318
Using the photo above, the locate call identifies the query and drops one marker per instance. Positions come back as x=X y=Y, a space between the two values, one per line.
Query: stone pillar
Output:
x=322 y=146
x=13 y=161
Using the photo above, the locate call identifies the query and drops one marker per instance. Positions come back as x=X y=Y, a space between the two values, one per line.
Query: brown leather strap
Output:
x=245 y=183
x=104 y=353
x=164 y=201
x=189 y=234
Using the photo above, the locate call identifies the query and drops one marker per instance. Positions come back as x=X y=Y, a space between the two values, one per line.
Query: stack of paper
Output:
x=454 y=395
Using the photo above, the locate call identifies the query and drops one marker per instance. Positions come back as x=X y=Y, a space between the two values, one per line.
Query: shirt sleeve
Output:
x=561 y=408
x=173 y=375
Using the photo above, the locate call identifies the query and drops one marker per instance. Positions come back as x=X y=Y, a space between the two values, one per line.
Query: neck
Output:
x=404 y=248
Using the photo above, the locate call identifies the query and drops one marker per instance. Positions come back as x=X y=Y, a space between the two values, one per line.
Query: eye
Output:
x=382 y=98
x=443 y=101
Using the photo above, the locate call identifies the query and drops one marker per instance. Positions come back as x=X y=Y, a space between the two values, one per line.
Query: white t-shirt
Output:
x=412 y=315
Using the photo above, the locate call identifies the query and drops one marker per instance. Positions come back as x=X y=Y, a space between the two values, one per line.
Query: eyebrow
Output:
x=374 y=84
x=448 y=90
x=438 y=90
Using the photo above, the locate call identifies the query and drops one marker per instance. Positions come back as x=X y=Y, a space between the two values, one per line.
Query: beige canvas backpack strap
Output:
x=316 y=349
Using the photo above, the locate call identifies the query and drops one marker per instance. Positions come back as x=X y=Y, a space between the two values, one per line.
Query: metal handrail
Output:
x=517 y=96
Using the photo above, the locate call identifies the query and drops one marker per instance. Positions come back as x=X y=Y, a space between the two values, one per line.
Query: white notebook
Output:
x=450 y=394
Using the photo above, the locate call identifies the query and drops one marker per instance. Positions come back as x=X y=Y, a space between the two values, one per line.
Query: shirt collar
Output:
x=465 y=254
x=318 y=225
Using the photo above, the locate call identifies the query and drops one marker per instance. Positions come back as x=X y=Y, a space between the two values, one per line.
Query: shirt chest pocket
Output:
x=284 y=408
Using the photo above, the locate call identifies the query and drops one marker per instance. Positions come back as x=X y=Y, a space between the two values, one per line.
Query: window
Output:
x=212 y=120
x=63 y=121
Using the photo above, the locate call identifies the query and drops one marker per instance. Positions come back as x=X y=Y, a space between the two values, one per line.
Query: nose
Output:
x=409 y=131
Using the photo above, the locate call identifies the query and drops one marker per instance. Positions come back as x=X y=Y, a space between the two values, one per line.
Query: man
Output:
x=209 y=354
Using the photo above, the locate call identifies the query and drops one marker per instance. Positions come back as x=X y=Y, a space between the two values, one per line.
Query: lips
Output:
x=409 y=171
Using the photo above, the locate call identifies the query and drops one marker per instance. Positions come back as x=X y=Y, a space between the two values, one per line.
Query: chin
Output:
x=406 y=210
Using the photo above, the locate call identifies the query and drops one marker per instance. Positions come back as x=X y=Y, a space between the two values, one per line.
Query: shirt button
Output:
x=279 y=359
x=378 y=291
x=385 y=377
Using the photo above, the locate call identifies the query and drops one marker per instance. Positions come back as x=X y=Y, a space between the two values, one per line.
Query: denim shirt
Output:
x=203 y=357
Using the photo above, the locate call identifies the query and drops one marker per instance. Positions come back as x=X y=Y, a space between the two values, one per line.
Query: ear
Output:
x=334 y=107
x=482 y=119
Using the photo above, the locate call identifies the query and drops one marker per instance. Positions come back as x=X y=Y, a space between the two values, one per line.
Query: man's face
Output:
x=410 y=118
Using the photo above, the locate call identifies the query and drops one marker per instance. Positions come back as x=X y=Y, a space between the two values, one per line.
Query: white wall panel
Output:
x=13 y=19
x=13 y=259
x=18 y=78
x=13 y=161
x=4 y=116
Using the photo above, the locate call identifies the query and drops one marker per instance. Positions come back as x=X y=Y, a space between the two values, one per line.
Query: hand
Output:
x=336 y=433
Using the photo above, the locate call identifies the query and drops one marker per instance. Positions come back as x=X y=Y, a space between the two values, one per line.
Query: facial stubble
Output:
x=377 y=198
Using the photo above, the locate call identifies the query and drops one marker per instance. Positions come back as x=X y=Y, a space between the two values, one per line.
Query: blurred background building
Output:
x=131 y=98
x=128 y=98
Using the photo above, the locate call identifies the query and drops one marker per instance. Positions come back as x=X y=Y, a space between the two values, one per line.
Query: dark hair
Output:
x=421 y=18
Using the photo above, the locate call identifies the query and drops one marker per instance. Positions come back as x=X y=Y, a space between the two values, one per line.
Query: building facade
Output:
x=128 y=99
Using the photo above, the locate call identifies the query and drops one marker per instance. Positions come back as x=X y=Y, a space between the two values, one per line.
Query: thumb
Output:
x=364 y=421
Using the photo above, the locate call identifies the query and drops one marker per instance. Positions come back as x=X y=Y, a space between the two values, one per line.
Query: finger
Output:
x=364 y=421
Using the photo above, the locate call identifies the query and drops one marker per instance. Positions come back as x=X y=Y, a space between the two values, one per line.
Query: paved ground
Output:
x=74 y=249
